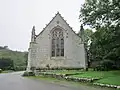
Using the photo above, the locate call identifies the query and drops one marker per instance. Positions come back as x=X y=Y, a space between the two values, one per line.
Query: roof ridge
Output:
x=68 y=25
x=48 y=23
x=53 y=19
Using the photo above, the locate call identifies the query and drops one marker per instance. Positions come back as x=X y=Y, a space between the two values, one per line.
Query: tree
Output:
x=19 y=58
x=26 y=57
x=105 y=46
x=104 y=16
x=6 y=47
x=99 y=13
x=6 y=64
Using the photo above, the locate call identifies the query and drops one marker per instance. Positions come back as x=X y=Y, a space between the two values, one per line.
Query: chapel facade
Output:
x=56 y=46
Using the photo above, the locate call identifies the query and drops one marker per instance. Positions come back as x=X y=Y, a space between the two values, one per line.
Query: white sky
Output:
x=17 y=18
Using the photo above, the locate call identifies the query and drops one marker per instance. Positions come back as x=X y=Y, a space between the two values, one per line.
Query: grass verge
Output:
x=68 y=83
x=105 y=77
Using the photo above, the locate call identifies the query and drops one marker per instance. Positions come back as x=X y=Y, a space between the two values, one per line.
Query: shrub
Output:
x=28 y=73
x=107 y=64
x=0 y=70
x=104 y=65
x=20 y=68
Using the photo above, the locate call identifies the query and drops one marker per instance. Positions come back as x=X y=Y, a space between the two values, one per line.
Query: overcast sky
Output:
x=17 y=18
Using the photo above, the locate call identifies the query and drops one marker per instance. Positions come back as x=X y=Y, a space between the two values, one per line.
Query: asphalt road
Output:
x=14 y=81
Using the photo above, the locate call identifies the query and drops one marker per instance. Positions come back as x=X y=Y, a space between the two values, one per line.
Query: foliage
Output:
x=18 y=58
x=6 y=63
x=104 y=65
x=26 y=57
x=99 y=13
x=28 y=74
x=20 y=68
x=87 y=36
x=0 y=70
x=105 y=45
x=5 y=47
x=104 y=15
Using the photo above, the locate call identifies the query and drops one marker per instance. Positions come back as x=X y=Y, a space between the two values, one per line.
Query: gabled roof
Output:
x=52 y=20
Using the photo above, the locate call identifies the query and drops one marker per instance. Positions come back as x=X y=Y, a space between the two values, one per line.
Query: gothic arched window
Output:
x=57 y=43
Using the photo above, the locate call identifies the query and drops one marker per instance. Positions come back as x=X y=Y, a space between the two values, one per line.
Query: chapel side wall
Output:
x=32 y=54
x=29 y=60
x=78 y=51
x=74 y=51
x=43 y=49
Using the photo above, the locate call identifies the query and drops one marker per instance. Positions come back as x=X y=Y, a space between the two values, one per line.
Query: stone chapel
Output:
x=56 y=46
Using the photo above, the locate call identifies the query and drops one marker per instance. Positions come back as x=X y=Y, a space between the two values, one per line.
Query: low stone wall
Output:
x=107 y=85
x=58 y=76
x=80 y=79
x=75 y=79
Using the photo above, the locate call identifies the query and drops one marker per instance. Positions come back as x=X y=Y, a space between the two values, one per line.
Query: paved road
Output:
x=14 y=81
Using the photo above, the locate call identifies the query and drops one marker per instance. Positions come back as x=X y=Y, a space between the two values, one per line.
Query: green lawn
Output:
x=112 y=77
x=114 y=80
x=97 y=74
x=90 y=74
x=106 y=77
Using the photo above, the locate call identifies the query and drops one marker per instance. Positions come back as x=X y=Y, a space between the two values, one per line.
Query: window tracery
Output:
x=57 y=43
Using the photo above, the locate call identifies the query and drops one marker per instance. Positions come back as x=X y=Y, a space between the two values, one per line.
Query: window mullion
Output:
x=55 y=47
x=60 y=46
